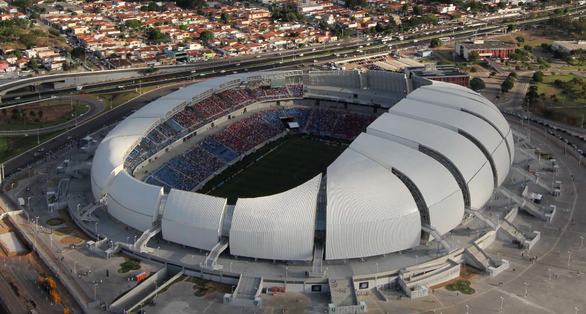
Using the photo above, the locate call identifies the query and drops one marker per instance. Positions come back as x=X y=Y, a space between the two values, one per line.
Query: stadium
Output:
x=313 y=171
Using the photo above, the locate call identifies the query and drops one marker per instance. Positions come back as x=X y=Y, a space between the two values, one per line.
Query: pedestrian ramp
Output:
x=211 y=260
x=141 y=243
x=525 y=205
x=343 y=297
x=523 y=240
x=318 y=261
x=247 y=292
x=476 y=257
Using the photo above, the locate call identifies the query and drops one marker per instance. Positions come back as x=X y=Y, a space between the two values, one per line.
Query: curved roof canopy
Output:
x=369 y=210
x=279 y=227
x=193 y=219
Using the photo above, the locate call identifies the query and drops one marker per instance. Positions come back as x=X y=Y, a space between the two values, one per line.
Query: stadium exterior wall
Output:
x=371 y=209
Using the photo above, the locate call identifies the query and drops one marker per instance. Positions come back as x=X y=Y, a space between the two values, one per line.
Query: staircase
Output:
x=211 y=260
x=79 y=170
x=141 y=243
x=477 y=258
x=533 y=179
x=436 y=235
x=484 y=219
x=513 y=232
x=85 y=214
x=318 y=260
x=247 y=292
x=527 y=206
x=342 y=292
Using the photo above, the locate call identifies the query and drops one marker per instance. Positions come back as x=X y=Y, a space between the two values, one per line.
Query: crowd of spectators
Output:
x=187 y=118
x=237 y=97
x=337 y=124
x=240 y=136
x=295 y=90
x=245 y=134
x=267 y=93
x=210 y=107
x=214 y=152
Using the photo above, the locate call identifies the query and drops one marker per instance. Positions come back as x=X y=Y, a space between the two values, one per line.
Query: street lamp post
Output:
x=36 y=231
x=581 y=241
x=376 y=275
x=286 y=274
x=569 y=257
x=502 y=302
x=526 y=285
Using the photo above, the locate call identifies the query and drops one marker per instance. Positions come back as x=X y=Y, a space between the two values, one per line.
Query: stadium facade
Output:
x=435 y=150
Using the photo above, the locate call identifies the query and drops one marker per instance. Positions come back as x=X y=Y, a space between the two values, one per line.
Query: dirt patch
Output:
x=128 y=265
x=40 y=114
x=70 y=228
x=71 y=240
x=466 y=273
x=203 y=288
x=63 y=231
x=55 y=221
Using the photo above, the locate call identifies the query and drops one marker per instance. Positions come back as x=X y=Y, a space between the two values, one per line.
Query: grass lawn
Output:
x=11 y=146
x=282 y=166
x=573 y=68
x=548 y=88
x=119 y=98
x=22 y=125
x=533 y=38
x=554 y=110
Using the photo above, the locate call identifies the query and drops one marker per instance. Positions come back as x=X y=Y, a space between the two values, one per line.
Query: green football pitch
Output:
x=276 y=167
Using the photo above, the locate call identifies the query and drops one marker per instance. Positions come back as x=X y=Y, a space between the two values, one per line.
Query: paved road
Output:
x=322 y=53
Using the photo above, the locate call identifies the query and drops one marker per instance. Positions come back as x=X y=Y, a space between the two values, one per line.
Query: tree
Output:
x=418 y=10
x=152 y=6
x=507 y=85
x=477 y=84
x=286 y=13
x=34 y=64
x=538 y=76
x=532 y=96
x=436 y=42
x=474 y=56
x=134 y=24
x=23 y=4
x=513 y=75
x=206 y=36
x=225 y=18
x=78 y=52
x=191 y=4
x=354 y=4
x=155 y=36
x=520 y=39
